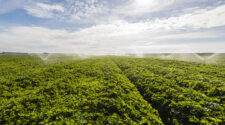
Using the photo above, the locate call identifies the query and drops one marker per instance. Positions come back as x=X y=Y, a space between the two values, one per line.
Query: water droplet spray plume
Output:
x=42 y=56
x=189 y=55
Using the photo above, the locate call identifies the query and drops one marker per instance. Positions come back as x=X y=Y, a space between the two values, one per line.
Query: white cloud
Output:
x=138 y=8
x=191 y=35
x=51 y=7
x=68 y=11
x=135 y=7
x=91 y=1
x=205 y=18
x=154 y=28
x=198 y=19
x=87 y=12
x=95 y=11
x=118 y=36
x=10 y=5
x=44 y=10
x=94 y=40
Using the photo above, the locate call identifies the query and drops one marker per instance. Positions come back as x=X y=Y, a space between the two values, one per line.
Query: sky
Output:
x=112 y=26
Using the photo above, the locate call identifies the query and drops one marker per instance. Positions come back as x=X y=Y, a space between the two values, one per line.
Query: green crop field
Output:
x=111 y=90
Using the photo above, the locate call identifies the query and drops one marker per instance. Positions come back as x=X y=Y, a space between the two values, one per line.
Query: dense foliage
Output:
x=183 y=93
x=110 y=90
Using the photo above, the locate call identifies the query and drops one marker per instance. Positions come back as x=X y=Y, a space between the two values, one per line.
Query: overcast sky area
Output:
x=112 y=26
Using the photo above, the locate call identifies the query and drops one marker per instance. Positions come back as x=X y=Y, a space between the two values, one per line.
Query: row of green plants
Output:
x=110 y=90
x=183 y=93
x=91 y=91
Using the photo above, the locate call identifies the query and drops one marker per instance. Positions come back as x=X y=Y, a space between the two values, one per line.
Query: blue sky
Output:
x=113 y=26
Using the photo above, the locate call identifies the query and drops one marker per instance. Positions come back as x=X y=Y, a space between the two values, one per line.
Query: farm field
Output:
x=103 y=90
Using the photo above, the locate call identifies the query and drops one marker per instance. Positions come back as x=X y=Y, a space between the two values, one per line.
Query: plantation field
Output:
x=111 y=90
